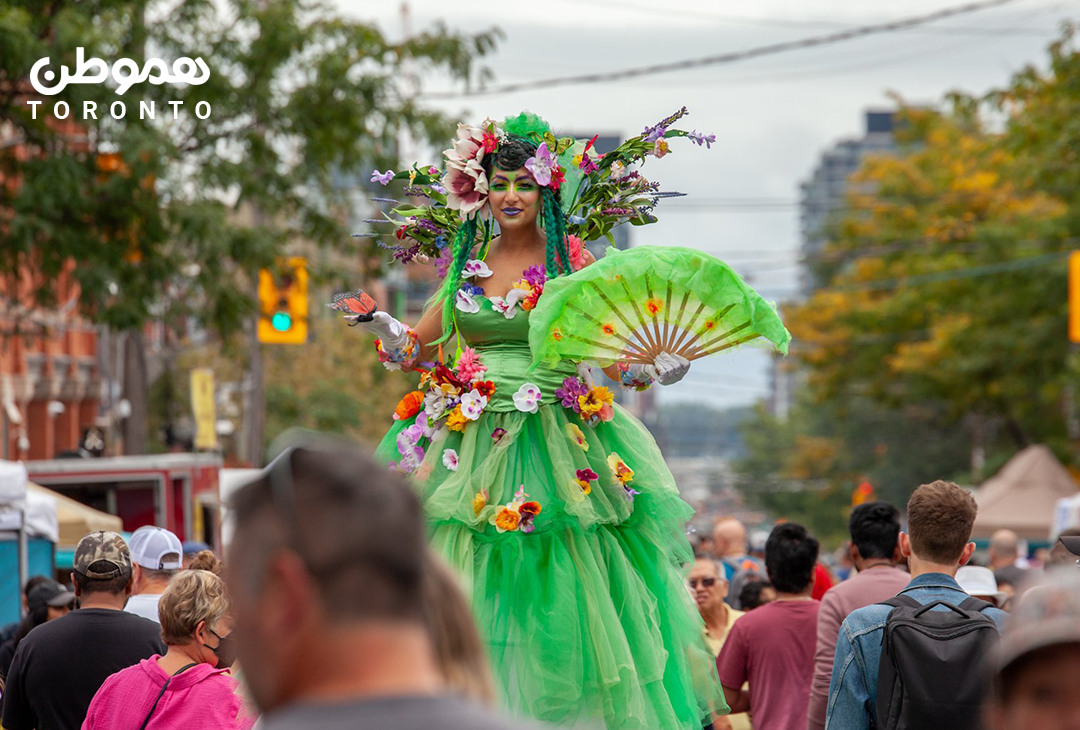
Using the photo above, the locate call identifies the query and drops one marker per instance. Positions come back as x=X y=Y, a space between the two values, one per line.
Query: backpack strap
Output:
x=971 y=603
x=901 y=601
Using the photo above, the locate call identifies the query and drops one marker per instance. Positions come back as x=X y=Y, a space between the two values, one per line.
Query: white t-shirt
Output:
x=145 y=605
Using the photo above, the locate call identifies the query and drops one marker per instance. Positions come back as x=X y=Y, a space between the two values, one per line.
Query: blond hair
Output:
x=459 y=651
x=192 y=596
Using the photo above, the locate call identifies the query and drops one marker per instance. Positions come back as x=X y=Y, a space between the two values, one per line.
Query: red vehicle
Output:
x=176 y=491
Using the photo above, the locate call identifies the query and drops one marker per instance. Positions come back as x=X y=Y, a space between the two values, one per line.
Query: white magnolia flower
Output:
x=527 y=398
x=435 y=405
x=473 y=404
x=476 y=268
x=466 y=302
x=450 y=459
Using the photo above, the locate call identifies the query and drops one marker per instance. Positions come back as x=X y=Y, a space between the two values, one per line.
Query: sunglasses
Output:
x=705 y=582
x=279 y=474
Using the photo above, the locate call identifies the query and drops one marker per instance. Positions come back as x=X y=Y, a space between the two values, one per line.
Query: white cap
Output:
x=149 y=545
x=978 y=581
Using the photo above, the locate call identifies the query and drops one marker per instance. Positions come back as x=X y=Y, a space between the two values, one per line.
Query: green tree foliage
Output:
x=297 y=95
x=940 y=325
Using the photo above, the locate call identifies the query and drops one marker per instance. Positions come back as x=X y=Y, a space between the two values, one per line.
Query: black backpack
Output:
x=930 y=675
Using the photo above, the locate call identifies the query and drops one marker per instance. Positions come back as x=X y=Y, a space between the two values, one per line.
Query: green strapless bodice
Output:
x=503 y=346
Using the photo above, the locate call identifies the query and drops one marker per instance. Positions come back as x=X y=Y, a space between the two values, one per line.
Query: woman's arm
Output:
x=612 y=371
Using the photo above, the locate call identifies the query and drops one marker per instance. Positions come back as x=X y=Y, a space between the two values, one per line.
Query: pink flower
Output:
x=466 y=187
x=469 y=367
x=542 y=165
x=577 y=252
x=469 y=145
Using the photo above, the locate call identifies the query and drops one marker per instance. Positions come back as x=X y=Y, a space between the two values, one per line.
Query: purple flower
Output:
x=497 y=434
x=383 y=178
x=442 y=264
x=701 y=139
x=472 y=289
x=535 y=275
x=631 y=493
x=438 y=188
x=541 y=165
x=652 y=134
x=568 y=394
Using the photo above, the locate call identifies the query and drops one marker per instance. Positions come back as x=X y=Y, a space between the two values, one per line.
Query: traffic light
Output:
x=863 y=493
x=283 y=303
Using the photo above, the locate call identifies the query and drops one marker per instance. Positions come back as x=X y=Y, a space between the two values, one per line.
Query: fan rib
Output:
x=594 y=320
x=667 y=317
x=654 y=349
x=594 y=343
x=721 y=338
x=685 y=330
x=655 y=317
x=692 y=345
x=740 y=341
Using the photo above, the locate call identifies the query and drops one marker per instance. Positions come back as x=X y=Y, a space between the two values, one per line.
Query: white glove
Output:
x=393 y=333
x=667 y=369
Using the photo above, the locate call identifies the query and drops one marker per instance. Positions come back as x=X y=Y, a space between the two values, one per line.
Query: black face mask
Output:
x=225 y=650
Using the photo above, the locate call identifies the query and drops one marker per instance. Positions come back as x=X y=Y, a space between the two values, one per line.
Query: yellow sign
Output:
x=202 y=406
x=283 y=303
x=1074 y=296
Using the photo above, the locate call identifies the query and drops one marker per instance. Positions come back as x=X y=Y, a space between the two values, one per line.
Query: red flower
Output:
x=529 y=508
x=490 y=142
x=485 y=388
x=443 y=374
x=558 y=177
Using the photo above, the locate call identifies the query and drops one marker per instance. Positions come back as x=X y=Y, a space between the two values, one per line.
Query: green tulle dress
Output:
x=586 y=616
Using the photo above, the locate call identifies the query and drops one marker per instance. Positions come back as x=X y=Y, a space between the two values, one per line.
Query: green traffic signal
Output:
x=281 y=321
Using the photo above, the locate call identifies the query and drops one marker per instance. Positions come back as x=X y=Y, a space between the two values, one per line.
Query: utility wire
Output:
x=794 y=23
x=732 y=57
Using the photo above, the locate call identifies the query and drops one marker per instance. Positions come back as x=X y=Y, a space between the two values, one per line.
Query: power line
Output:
x=794 y=23
x=732 y=57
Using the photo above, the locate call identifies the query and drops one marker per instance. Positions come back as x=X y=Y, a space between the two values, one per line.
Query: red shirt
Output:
x=772 y=648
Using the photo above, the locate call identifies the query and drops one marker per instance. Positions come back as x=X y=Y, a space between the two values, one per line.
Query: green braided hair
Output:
x=462 y=246
x=557 y=250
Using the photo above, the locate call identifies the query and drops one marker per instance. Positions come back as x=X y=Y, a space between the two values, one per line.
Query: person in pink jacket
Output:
x=189 y=687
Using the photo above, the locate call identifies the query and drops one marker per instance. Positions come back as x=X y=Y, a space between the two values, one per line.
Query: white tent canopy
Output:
x=1022 y=496
x=16 y=500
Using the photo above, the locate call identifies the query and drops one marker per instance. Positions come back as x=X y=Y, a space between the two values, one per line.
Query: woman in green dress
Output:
x=553 y=503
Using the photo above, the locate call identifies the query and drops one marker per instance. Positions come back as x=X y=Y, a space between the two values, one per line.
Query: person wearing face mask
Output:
x=188 y=687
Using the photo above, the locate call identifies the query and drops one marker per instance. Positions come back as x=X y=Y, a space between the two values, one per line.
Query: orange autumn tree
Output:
x=944 y=281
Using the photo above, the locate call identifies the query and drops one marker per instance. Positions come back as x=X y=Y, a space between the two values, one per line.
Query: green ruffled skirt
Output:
x=585 y=610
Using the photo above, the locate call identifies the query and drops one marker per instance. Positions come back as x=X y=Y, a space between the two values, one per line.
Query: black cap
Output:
x=48 y=593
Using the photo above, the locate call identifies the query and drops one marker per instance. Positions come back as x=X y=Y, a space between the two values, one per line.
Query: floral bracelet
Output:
x=633 y=380
x=398 y=357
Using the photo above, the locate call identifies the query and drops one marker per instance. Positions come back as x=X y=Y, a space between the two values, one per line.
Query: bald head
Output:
x=729 y=536
x=1004 y=548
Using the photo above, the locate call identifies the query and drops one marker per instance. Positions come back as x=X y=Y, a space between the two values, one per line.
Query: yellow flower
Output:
x=507 y=520
x=586 y=486
x=577 y=436
x=594 y=400
x=619 y=468
x=456 y=421
x=479 y=502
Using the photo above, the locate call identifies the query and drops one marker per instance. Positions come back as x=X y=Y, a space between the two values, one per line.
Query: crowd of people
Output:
x=333 y=613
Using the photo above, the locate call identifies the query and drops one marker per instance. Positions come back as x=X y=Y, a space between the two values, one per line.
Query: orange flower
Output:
x=529 y=508
x=507 y=520
x=456 y=421
x=409 y=406
x=653 y=306
x=556 y=334
x=586 y=486
x=608 y=329
x=710 y=324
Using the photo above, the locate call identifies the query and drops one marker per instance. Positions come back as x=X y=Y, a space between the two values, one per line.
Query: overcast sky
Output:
x=772 y=116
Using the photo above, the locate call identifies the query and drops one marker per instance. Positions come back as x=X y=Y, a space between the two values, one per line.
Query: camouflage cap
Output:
x=102 y=555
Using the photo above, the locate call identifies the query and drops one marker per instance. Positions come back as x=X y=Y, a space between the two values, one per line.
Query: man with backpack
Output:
x=915 y=660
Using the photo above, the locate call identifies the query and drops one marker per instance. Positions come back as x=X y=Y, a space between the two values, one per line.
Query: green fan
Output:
x=632 y=305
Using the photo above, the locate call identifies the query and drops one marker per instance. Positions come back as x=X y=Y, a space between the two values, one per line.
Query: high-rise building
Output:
x=822 y=197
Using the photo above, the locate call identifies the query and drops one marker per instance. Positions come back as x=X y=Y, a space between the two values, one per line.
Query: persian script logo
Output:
x=124 y=71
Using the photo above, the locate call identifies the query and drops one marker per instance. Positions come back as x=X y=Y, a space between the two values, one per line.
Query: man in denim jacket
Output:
x=940 y=518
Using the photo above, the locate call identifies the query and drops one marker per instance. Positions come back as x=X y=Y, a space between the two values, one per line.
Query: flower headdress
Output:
x=585 y=194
